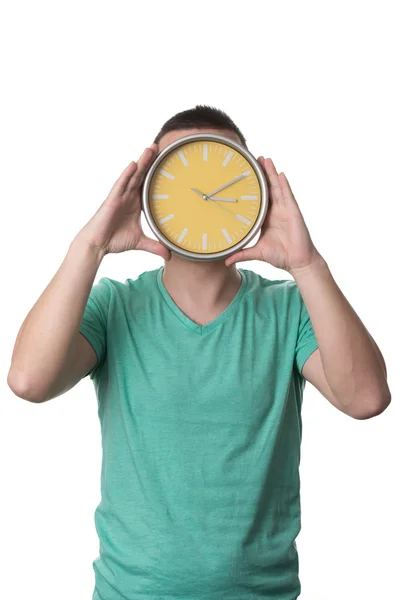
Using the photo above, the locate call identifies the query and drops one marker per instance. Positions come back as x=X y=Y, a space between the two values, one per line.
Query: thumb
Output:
x=242 y=255
x=149 y=245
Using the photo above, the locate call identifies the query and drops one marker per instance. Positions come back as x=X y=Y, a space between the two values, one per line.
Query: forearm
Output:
x=353 y=364
x=46 y=339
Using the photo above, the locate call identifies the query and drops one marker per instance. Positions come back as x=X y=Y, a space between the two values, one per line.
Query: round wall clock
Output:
x=205 y=196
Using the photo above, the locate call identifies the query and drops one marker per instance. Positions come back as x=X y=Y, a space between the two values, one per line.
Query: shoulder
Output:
x=276 y=299
x=277 y=289
x=113 y=293
x=144 y=280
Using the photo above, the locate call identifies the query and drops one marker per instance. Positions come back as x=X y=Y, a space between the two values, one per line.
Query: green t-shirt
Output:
x=201 y=432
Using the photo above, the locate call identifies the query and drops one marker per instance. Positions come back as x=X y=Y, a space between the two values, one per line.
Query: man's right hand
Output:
x=116 y=226
x=50 y=354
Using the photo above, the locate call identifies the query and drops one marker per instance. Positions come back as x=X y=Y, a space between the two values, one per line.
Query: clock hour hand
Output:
x=222 y=199
x=205 y=197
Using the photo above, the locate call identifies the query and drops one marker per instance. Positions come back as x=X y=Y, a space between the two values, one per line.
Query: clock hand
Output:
x=205 y=197
x=226 y=185
x=222 y=199
x=222 y=208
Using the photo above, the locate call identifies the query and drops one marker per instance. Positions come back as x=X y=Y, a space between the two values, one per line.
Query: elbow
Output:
x=367 y=409
x=21 y=388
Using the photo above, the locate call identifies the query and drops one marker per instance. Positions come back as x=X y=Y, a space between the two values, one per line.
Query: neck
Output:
x=201 y=285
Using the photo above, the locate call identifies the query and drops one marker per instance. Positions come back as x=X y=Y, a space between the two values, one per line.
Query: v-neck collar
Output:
x=201 y=329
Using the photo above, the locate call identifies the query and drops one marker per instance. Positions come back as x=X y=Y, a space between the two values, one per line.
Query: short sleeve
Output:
x=94 y=323
x=306 y=340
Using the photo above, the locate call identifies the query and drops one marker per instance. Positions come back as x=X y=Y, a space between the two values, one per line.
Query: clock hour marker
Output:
x=227 y=159
x=160 y=196
x=249 y=197
x=165 y=219
x=205 y=152
x=247 y=173
x=184 y=232
x=227 y=236
x=204 y=241
x=243 y=219
x=167 y=174
x=183 y=158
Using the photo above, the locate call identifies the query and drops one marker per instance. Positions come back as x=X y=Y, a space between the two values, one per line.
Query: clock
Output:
x=205 y=196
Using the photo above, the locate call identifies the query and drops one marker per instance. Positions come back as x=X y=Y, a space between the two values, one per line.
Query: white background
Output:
x=86 y=87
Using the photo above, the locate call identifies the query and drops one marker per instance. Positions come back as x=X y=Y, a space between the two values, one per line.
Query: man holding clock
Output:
x=199 y=370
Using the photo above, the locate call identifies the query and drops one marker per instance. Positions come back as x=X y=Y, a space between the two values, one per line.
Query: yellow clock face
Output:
x=204 y=196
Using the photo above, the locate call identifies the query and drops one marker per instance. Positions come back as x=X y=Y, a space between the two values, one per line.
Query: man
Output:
x=199 y=370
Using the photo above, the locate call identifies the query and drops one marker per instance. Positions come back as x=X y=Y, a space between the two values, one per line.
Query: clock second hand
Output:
x=205 y=197
x=222 y=208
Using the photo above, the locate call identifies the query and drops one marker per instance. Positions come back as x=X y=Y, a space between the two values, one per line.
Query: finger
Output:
x=143 y=164
x=273 y=180
x=242 y=255
x=285 y=186
x=123 y=179
x=149 y=245
x=288 y=194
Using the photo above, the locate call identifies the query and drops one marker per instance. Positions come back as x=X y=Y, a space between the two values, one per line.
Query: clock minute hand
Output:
x=226 y=185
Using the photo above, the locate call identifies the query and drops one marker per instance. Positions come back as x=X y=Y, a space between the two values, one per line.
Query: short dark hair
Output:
x=200 y=117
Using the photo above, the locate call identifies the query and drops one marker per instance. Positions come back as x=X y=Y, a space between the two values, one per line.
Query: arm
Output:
x=50 y=355
x=348 y=367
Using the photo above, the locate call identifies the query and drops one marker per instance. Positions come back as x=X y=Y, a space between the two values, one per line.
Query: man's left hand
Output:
x=284 y=240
